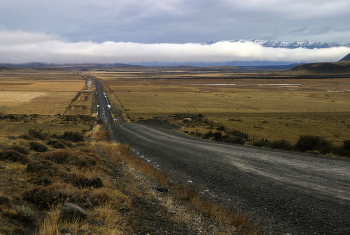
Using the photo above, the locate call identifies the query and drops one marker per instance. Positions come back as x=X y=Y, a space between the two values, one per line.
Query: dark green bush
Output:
x=346 y=144
x=236 y=133
x=56 y=144
x=68 y=157
x=217 y=136
x=37 y=147
x=208 y=134
x=25 y=137
x=14 y=156
x=262 y=143
x=72 y=136
x=281 y=144
x=235 y=140
x=36 y=134
x=310 y=143
x=19 y=149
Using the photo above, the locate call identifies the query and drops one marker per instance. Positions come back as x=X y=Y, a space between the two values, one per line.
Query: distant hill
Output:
x=321 y=68
x=346 y=58
x=70 y=66
x=269 y=67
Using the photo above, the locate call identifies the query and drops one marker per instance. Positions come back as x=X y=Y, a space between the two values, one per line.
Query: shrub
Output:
x=19 y=149
x=46 y=197
x=235 y=140
x=86 y=182
x=37 y=147
x=46 y=168
x=236 y=133
x=281 y=144
x=217 y=136
x=14 y=156
x=309 y=143
x=56 y=144
x=72 y=136
x=220 y=128
x=346 y=144
x=262 y=143
x=36 y=134
x=208 y=134
x=67 y=157
x=25 y=137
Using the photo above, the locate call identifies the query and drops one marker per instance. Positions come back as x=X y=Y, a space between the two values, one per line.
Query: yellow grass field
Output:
x=29 y=91
x=266 y=108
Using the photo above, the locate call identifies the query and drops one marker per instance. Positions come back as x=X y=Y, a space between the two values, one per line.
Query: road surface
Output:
x=292 y=193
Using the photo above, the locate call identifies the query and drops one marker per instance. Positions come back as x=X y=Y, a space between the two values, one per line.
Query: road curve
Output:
x=291 y=193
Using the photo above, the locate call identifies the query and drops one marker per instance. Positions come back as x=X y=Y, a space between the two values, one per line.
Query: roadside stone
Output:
x=71 y=211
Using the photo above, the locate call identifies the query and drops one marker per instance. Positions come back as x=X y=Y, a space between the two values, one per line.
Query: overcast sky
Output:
x=131 y=31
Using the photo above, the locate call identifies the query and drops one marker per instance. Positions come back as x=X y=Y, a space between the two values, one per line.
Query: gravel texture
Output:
x=292 y=193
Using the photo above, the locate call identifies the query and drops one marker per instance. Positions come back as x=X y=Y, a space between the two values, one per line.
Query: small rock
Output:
x=163 y=189
x=2 y=167
x=71 y=211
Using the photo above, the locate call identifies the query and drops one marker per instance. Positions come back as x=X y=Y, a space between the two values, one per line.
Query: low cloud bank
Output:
x=23 y=47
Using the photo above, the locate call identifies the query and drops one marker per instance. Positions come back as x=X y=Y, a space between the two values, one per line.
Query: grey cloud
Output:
x=178 y=21
x=45 y=48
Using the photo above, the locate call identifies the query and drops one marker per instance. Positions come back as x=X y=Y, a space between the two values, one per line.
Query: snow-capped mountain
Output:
x=291 y=45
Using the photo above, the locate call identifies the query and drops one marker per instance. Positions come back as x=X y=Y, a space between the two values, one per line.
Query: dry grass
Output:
x=36 y=191
x=275 y=109
x=38 y=91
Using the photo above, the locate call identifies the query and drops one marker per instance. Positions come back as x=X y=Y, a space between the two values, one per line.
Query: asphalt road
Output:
x=291 y=193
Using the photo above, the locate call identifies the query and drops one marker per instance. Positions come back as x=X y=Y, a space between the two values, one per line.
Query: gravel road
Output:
x=291 y=193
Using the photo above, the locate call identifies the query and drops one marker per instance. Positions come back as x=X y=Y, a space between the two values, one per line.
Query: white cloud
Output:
x=22 y=47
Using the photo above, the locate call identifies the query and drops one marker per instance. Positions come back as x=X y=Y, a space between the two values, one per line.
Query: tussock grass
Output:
x=33 y=192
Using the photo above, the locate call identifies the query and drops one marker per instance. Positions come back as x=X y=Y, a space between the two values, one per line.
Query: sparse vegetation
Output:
x=37 y=146
x=108 y=182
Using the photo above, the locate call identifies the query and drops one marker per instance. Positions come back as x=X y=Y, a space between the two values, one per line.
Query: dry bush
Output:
x=311 y=143
x=100 y=134
x=46 y=168
x=19 y=149
x=68 y=157
x=37 y=147
x=57 y=193
x=114 y=197
x=282 y=144
x=14 y=156
x=103 y=220
x=72 y=136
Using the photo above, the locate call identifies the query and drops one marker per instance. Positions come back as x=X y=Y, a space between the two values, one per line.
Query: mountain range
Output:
x=290 y=45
